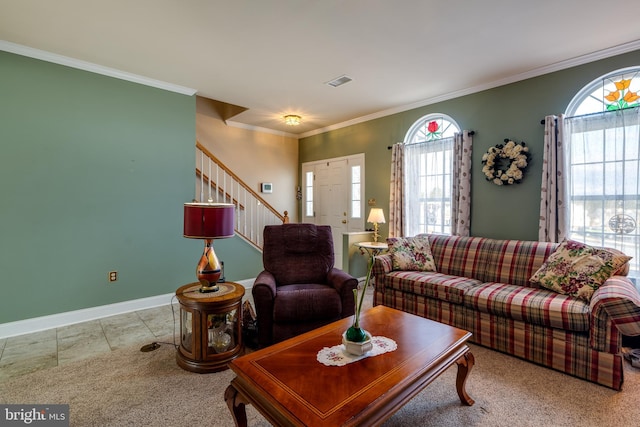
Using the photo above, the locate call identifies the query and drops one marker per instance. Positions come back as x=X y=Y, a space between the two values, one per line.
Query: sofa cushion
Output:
x=461 y=256
x=537 y=306
x=411 y=253
x=515 y=261
x=577 y=269
x=431 y=284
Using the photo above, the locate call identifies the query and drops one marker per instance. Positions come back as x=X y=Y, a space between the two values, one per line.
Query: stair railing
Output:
x=217 y=183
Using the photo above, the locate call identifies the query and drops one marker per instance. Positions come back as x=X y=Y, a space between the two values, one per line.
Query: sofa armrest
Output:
x=264 y=293
x=382 y=265
x=344 y=283
x=614 y=307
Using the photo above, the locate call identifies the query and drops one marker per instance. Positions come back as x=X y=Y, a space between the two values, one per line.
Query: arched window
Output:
x=603 y=134
x=614 y=91
x=429 y=174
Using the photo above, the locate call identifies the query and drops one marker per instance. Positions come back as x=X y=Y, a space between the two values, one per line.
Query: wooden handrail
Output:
x=241 y=182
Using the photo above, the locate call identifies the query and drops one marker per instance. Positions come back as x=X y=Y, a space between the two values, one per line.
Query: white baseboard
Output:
x=37 y=324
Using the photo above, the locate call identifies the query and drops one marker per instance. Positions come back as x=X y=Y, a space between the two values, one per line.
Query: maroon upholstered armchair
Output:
x=299 y=289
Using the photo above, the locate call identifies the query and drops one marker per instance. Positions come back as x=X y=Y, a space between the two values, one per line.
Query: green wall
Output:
x=511 y=111
x=93 y=174
x=94 y=171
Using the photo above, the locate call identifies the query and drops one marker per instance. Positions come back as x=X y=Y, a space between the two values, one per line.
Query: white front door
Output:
x=333 y=198
x=332 y=203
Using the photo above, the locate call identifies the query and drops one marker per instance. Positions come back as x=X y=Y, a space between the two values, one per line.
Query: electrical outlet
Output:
x=113 y=276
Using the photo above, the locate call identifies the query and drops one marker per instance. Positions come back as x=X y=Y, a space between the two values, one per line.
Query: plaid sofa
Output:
x=482 y=285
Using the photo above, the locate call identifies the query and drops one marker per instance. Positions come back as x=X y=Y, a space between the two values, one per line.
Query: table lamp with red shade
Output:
x=208 y=221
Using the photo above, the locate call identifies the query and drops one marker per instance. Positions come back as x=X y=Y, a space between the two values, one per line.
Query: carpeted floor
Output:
x=131 y=388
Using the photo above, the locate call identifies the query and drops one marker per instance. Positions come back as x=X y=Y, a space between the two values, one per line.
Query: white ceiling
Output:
x=275 y=56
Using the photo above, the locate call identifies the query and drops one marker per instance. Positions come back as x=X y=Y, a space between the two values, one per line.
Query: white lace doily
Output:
x=338 y=356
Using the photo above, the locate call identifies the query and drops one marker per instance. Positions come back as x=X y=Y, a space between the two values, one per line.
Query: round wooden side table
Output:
x=210 y=327
x=373 y=249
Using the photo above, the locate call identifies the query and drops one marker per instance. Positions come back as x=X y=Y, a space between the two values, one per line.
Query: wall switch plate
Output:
x=113 y=276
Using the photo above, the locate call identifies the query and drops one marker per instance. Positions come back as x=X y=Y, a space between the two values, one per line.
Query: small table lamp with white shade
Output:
x=376 y=216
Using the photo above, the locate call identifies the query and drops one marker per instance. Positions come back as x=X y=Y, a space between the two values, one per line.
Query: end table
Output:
x=373 y=249
x=210 y=327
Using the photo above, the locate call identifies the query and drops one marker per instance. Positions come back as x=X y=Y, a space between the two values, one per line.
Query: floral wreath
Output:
x=505 y=164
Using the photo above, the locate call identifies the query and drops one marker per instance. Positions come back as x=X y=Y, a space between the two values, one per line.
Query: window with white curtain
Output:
x=603 y=134
x=428 y=174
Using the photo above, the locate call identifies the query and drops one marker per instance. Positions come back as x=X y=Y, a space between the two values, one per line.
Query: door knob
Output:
x=344 y=221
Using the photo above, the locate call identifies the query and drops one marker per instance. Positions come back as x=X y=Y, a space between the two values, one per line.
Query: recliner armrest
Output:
x=344 y=283
x=264 y=293
x=265 y=279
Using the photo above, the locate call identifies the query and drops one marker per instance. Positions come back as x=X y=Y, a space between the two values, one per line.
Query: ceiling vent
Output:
x=339 y=81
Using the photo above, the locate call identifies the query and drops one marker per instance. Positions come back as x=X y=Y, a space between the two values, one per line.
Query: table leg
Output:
x=465 y=363
x=236 y=405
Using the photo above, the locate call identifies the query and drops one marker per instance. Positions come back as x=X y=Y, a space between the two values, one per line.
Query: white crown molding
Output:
x=37 y=324
x=558 y=66
x=87 y=66
x=93 y=68
x=261 y=129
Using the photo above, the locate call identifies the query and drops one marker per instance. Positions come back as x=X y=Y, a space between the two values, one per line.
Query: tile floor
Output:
x=27 y=353
x=40 y=350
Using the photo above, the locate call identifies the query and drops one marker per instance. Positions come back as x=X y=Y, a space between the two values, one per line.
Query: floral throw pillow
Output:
x=577 y=269
x=411 y=253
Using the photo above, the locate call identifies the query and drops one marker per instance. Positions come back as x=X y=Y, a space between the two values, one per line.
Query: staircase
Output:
x=216 y=183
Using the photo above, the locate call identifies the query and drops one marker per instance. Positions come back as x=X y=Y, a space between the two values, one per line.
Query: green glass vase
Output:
x=355 y=334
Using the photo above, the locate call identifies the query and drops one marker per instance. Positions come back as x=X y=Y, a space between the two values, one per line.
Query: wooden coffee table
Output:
x=289 y=387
